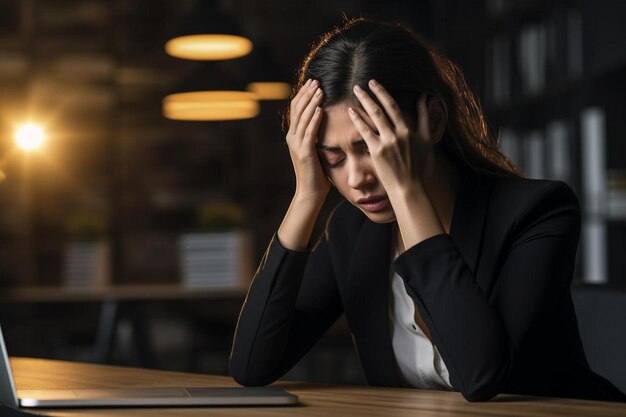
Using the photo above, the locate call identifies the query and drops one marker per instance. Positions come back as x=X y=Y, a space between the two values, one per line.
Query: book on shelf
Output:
x=542 y=154
x=509 y=145
x=87 y=264
x=539 y=53
x=534 y=154
x=215 y=259
x=532 y=58
x=594 y=186
x=592 y=120
x=559 y=150
x=498 y=72
x=594 y=251
x=563 y=33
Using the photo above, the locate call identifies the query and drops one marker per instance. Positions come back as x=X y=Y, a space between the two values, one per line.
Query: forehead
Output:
x=337 y=128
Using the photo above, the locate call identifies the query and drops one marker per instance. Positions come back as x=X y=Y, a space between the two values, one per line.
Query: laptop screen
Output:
x=8 y=396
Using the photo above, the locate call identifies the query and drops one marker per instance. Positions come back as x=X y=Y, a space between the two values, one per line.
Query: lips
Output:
x=374 y=203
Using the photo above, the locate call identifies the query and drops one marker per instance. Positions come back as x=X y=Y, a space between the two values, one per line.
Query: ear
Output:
x=436 y=117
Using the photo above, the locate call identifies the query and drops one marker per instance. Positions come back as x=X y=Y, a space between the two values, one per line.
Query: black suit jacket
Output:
x=494 y=293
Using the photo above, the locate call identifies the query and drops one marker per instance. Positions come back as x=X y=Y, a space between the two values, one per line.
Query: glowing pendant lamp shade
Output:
x=266 y=90
x=208 y=47
x=211 y=105
x=208 y=34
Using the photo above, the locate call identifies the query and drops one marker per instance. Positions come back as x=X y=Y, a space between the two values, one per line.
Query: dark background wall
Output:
x=94 y=73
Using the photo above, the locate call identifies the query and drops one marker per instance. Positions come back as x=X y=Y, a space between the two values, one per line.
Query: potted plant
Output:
x=217 y=254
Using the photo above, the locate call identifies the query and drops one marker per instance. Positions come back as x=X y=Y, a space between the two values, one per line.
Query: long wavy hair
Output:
x=407 y=66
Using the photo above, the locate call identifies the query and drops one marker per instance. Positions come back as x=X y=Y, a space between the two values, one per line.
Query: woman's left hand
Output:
x=398 y=152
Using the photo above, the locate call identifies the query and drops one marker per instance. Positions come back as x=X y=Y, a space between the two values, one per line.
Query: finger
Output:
x=373 y=110
x=307 y=114
x=303 y=101
x=300 y=101
x=300 y=92
x=423 y=127
x=390 y=105
x=310 y=134
x=298 y=96
x=366 y=132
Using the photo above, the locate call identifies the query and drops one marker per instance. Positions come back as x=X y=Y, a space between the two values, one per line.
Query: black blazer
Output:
x=494 y=293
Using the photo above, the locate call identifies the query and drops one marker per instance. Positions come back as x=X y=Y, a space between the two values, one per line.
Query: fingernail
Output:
x=358 y=89
x=314 y=83
x=373 y=83
x=307 y=82
x=318 y=92
x=317 y=110
x=350 y=110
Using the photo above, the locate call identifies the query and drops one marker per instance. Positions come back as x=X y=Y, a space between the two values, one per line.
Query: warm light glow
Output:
x=211 y=105
x=208 y=47
x=270 y=90
x=29 y=137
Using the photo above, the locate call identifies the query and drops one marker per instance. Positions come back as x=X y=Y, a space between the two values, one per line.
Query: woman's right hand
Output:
x=305 y=118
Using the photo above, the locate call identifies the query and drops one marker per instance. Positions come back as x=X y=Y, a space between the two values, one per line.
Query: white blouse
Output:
x=418 y=359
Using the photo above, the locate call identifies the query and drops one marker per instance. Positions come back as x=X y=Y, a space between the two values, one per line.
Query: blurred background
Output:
x=132 y=215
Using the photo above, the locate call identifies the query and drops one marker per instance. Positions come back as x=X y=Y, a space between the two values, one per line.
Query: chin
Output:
x=381 y=217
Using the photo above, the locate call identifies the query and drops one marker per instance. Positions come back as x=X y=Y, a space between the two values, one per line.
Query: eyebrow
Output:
x=355 y=143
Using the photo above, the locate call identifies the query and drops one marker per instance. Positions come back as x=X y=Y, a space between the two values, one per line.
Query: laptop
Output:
x=135 y=397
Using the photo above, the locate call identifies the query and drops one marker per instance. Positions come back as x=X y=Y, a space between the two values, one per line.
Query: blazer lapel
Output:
x=469 y=219
x=368 y=278
x=369 y=303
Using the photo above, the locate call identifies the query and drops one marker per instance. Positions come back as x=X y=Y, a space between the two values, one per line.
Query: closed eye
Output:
x=332 y=159
x=335 y=164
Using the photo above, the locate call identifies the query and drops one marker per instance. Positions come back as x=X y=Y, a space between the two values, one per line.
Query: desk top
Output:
x=315 y=399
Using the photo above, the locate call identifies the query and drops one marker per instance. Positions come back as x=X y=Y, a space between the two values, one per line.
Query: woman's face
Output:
x=347 y=162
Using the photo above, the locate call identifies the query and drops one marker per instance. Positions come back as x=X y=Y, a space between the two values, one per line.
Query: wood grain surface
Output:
x=315 y=400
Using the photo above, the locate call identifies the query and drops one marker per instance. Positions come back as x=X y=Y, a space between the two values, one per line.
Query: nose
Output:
x=360 y=174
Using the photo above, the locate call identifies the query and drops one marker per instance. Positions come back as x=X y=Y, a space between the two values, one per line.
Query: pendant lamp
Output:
x=208 y=34
x=211 y=105
x=210 y=93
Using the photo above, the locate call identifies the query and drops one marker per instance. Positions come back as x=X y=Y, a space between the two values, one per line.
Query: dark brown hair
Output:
x=406 y=66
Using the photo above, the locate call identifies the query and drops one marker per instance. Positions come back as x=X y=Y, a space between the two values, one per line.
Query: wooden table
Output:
x=316 y=400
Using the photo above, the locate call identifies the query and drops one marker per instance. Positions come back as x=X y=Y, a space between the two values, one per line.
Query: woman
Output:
x=453 y=271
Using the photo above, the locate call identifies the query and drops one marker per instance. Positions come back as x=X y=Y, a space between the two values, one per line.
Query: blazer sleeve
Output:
x=479 y=337
x=292 y=301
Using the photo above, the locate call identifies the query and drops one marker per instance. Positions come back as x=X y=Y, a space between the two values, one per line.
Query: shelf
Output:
x=562 y=64
x=59 y=294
